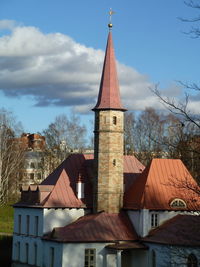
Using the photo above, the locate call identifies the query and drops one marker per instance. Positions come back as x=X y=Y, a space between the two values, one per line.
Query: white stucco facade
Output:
x=30 y=224
x=142 y=219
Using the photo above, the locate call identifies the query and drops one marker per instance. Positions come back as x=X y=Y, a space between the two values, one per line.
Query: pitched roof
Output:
x=100 y=227
x=62 y=183
x=109 y=96
x=161 y=182
x=181 y=230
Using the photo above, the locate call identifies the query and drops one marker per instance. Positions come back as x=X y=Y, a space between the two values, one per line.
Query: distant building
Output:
x=34 y=146
x=106 y=209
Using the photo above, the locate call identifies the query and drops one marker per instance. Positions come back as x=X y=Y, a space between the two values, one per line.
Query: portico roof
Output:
x=100 y=227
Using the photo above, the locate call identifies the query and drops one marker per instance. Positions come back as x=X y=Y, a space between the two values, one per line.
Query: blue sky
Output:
x=51 y=54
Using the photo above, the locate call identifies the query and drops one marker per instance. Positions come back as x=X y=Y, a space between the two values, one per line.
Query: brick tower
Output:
x=108 y=138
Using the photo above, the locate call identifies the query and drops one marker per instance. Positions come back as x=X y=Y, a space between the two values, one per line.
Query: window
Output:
x=39 y=176
x=36 y=225
x=154 y=220
x=178 y=203
x=114 y=162
x=90 y=258
x=114 y=120
x=26 y=252
x=192 y=261
x=18 y=251
x=35 y=254
x=32 y=165
x=27 y=224
x=51 y=258
x=153 y=258
x=32 y=176
x=19 y=223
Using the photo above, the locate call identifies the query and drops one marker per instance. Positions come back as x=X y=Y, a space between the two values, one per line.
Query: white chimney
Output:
x=80 y=188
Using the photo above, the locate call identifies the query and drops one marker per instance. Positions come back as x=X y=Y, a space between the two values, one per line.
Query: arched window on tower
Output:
x=192 y=261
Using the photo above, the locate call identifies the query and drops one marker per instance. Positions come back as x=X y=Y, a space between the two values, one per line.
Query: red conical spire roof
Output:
x=109 y=96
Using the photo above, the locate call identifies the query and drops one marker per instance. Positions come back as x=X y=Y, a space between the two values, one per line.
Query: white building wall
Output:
x=47 y=220
x=74 y=255
x=32 y=212
x=23 y=240
x=60 y=217
x=58 y=252
x=141 y=219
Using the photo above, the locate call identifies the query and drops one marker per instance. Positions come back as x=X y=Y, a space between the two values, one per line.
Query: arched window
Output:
x=178 y=203
x=192 y=261
x=153 y=258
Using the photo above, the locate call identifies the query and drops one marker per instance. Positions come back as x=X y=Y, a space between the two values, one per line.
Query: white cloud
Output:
x=56 y=70
x=7 y=24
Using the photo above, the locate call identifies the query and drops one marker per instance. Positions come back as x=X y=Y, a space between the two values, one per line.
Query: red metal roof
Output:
x=161 y=182
x=181 y=230
x=62 y=182
x=109 y=96
x=100 y=227
x=64 y=179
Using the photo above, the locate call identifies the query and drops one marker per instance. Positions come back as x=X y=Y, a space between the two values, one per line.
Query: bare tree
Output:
x=63 y=136
x=129 y=133
x=195 y=30
x=151 y=134
x=11 y=155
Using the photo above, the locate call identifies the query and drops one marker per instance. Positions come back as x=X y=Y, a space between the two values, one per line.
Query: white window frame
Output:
x=154 y=220
x=90 y=257
x=178 y=203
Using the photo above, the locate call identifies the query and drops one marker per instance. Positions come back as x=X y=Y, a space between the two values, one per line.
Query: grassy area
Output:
x=6 y=219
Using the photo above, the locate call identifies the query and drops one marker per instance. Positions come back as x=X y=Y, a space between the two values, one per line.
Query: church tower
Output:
x=109 y=138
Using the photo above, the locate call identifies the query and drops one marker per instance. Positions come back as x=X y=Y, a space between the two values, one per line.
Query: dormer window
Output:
x=178 y=203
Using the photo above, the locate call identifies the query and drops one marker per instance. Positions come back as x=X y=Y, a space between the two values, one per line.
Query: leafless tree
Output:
x=63 y=136
x=11 y=155
x=129 y=133
x=195 y=30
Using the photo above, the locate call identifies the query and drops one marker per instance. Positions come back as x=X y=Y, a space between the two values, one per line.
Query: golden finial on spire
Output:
x=111 y=12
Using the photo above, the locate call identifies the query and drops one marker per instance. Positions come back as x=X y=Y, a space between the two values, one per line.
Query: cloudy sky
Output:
x=51 y=55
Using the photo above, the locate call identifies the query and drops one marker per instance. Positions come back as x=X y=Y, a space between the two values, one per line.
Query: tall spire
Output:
x=109 y=96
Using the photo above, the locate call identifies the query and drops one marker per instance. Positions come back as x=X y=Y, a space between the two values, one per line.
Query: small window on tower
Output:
x=114 y=162
x=114 y=120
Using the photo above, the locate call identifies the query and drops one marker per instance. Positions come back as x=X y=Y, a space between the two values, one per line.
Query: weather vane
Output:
x=111 y=12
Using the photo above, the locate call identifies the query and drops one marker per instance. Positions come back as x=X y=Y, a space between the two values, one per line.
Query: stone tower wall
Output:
x=109 y=129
